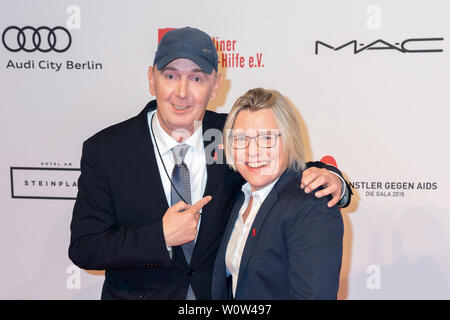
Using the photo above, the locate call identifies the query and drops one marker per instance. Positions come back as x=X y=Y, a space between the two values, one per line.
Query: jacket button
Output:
x=191 y=272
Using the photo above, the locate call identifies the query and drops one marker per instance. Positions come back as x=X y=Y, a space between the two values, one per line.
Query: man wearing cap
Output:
x=153 y=193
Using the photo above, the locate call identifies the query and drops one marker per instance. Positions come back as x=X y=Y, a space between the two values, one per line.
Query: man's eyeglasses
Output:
x=266 y=140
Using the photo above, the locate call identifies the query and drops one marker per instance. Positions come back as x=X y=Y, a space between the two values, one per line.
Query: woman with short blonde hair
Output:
x=280 y=242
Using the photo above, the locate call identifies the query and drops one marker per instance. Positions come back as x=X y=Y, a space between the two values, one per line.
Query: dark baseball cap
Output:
x=189 y=43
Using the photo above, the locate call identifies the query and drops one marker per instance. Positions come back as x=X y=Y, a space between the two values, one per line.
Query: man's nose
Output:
x=182 y=88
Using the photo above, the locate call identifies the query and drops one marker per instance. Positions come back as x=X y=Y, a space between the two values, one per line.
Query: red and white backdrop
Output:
x=370 y=80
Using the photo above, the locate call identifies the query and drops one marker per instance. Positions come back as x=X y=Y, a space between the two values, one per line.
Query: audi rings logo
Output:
x=30 y=39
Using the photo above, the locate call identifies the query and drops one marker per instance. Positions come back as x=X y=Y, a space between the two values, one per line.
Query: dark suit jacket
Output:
x=117 y=217
x=293 y=250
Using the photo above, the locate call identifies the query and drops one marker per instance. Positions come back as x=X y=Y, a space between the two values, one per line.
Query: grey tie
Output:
x=180 y=179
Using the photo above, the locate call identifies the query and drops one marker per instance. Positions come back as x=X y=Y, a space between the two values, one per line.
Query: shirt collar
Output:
x=260 y=194
x=166 y=142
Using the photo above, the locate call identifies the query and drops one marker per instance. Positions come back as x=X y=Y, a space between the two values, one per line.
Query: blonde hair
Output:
x=285 y=117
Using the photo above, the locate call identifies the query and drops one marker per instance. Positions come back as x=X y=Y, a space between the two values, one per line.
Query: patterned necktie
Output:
x=181 y=181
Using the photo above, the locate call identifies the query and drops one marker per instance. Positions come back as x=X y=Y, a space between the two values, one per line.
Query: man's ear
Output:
x=216 y=87
x=151 y=80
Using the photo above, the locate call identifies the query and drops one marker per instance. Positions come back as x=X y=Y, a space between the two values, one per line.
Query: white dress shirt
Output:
x=241 y=229
x=195 y=159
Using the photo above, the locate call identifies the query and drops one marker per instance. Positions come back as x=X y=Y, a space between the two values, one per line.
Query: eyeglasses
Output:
x=266 y=140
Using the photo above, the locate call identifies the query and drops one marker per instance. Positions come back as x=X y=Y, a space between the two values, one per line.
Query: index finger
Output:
x=200 y=204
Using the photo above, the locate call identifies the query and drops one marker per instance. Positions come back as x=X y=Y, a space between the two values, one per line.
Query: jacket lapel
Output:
x=143 y=161
x=230 y=225
x=260 y=218
x=257 y=226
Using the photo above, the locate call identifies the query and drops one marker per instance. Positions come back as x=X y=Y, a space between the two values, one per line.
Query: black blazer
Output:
x=293 y=250
x=117 y=217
